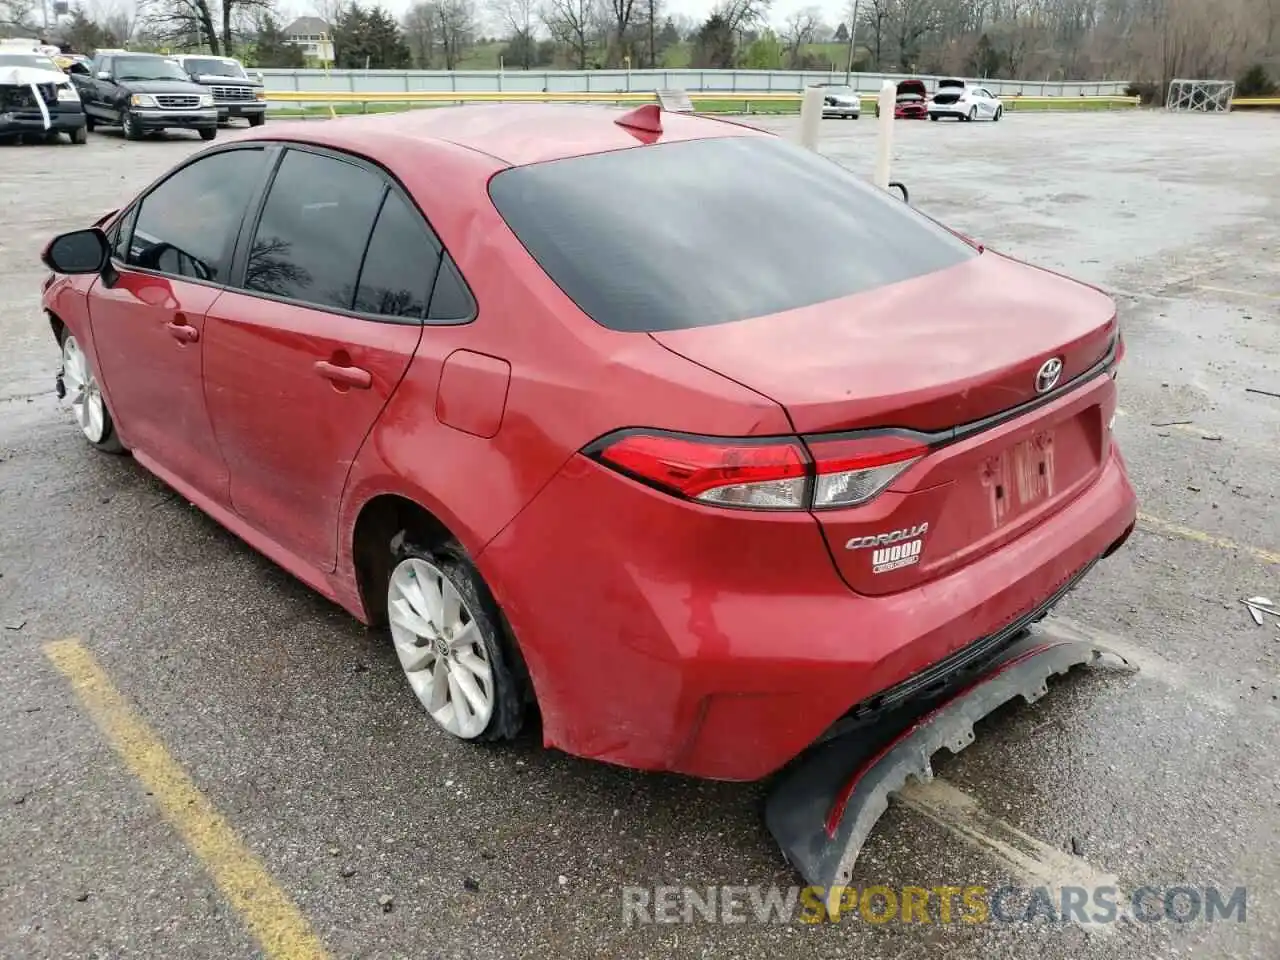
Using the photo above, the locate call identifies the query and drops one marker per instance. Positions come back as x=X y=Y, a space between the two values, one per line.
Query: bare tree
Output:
x=456 y=28
x=420 y=33
x=518 y=19
x=801 y=28
x=573 y=23
x=620 y=18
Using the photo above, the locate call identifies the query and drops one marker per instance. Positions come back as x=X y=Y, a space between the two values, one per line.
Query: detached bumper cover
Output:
x=823 y=808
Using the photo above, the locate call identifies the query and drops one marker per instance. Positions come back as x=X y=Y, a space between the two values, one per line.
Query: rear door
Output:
x=331 y=286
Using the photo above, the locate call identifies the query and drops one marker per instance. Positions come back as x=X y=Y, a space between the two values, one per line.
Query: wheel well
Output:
x=57 y=325
x=381 y=519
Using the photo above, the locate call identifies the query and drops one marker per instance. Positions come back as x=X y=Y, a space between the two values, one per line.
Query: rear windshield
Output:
x=702 y=232
x=208 y=66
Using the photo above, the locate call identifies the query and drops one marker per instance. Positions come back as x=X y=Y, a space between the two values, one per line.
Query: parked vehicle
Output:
x=840 y=102
x=235 y=93
x=963 y=101
x=144 y=93
x=467 y=373
x=911 y=102
x=37 y=100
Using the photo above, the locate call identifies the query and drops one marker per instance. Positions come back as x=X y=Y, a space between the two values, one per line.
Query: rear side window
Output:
x=703 y=232
x=314 y=227
x=400 y=265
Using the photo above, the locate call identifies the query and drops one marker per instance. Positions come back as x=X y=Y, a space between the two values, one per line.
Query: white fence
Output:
x=610 y=81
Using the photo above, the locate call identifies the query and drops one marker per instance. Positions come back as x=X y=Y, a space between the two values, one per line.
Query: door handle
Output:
x=356 y=377
x=183 y=332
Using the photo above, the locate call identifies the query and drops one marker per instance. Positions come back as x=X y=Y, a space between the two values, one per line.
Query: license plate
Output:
x=1020 y=477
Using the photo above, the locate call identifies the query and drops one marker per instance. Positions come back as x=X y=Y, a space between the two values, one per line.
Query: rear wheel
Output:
x=80 y=134
x=973 y=114
x=448 y=634
x=81 y=386
x=88 y=123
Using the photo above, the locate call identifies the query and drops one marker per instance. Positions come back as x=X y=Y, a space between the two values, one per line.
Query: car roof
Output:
x=513 y=133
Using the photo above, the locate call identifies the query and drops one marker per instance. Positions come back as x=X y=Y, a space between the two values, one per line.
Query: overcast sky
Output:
x=833 y=11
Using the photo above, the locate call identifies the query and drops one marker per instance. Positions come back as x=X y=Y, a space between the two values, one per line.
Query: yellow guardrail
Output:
x=1255 y=102
x=330 y=97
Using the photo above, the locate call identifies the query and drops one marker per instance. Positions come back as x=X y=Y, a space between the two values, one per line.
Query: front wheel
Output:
x=81 y=387
x=257 y=119
x=208 y=133
x=998 y=114
x=448 y=634
x=88 y=123
x=80 y=135
x=132 y=128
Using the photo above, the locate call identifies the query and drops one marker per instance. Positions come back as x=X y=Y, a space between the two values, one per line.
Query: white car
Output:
x=964 y=101
x=840 y=101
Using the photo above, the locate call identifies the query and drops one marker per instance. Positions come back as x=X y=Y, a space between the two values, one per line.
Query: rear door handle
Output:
x=356 y=377
x=183 y=332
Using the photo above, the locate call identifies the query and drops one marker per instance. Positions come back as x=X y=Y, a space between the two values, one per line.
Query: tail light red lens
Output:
x=770 y=475
x=773 y=474
x=853 y=470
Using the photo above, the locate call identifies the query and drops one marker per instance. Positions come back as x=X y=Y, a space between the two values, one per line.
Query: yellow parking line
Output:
x=1199 y=536
x=278 y=925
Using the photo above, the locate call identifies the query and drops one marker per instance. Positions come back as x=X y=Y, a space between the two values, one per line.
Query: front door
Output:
x=171 y=255
x=302 y=358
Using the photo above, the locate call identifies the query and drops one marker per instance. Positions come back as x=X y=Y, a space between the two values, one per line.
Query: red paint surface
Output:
x=659 y=633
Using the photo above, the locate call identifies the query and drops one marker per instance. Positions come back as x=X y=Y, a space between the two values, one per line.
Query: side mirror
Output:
x=257 y=75
x=104 y=74
x=81 y=251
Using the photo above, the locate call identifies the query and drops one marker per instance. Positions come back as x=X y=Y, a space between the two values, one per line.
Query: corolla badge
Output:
x=1048 y=374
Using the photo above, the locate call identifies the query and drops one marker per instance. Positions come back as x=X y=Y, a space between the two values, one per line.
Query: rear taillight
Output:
x=769 y=474
x=853 y=470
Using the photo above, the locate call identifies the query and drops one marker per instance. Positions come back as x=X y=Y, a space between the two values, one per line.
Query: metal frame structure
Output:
x=1200 y=96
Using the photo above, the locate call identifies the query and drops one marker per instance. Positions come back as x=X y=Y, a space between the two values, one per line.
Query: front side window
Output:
x=186 y=226
x=314 y=228
x=700 y=232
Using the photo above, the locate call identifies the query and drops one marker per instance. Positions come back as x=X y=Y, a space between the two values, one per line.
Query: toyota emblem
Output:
x=1048 y=374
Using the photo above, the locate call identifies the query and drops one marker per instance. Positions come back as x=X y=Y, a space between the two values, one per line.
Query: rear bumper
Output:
x=176 y=119
x=675 y=637
x=840 y=112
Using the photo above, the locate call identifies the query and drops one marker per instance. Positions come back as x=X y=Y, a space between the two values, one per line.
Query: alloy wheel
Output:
x=83 y=392
x=440 y=648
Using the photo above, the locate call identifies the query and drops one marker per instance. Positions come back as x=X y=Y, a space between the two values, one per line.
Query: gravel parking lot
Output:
x=295 y=723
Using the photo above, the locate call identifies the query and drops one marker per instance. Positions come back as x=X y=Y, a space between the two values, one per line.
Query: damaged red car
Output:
x=911 y=101
x=693 y=480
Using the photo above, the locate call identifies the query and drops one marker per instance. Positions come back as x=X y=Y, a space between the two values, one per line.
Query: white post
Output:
x=884 y=141
x=810 y=117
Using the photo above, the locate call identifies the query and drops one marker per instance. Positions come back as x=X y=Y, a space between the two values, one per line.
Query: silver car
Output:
x=840 y=101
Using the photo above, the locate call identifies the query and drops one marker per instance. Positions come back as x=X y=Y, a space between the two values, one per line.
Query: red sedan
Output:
x=911 y=102
x=661 y=426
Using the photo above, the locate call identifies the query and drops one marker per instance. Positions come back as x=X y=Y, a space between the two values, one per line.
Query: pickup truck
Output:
x=144 y=92
x=24 y=77
x=235 y=93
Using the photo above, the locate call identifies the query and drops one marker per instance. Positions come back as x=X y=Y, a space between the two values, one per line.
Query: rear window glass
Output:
x=703 y=232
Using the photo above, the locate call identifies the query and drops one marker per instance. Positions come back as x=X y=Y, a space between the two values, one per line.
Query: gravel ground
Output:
x=295 y=722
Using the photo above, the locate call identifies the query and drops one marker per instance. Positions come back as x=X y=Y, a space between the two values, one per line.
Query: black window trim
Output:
x=249 y=227
x=227 y=259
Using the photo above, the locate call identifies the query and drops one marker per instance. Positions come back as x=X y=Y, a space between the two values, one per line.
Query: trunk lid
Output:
x=947 y=350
